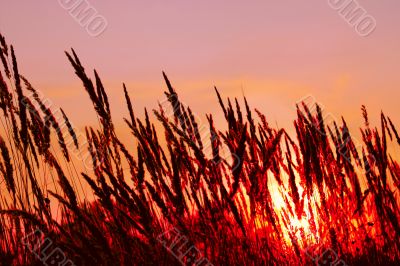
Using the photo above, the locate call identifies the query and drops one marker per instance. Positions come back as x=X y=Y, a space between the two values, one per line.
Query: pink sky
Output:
x=276 y=51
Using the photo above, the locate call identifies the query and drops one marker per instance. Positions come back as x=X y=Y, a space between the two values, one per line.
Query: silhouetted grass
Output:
x=248 y=195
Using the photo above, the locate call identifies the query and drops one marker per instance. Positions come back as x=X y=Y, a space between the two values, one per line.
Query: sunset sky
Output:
x=275 y=52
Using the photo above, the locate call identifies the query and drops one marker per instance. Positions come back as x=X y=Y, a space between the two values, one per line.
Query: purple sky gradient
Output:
x=276 y=52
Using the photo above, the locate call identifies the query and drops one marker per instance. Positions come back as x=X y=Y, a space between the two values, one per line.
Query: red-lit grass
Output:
x=248 y=195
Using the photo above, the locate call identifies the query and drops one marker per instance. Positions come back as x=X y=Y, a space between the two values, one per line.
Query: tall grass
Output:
x=275 y=199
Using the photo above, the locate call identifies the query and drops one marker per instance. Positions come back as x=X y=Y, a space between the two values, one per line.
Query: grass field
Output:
x=248 y=195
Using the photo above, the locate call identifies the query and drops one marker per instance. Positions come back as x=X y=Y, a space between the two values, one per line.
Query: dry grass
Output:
x=333 y=195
